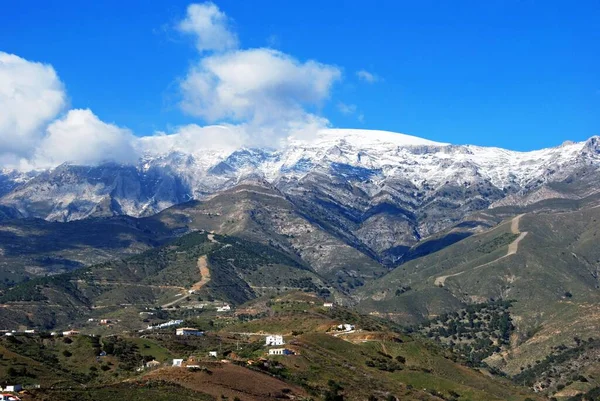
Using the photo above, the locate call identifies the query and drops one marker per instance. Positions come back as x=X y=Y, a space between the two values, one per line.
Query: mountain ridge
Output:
x=386 y=190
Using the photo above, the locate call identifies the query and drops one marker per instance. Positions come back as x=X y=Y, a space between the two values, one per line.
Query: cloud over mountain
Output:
x=255 y=84
x=270 y=92
x=31 y=95
x=81 y=137
x=261 y=96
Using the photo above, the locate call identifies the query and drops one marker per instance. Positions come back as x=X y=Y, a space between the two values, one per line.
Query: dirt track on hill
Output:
x=204 y=273
x=513 y=247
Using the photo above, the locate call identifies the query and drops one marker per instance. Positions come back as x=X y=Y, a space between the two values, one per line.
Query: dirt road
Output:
x=205 y=278
x=513 y=247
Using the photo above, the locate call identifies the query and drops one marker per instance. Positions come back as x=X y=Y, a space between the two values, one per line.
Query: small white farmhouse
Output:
x=224 y=308
x=187 y=331
x=177 y=362
x=212 y=354
x=274 y=340
x=346 y=327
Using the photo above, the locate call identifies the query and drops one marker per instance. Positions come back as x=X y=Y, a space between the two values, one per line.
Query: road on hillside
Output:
x=204 y=276
x=513 y=247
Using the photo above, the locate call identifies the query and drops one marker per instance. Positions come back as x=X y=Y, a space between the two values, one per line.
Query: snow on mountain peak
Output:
x=362 y=137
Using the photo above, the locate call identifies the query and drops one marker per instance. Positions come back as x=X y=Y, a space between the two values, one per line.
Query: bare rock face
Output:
x=377 y=192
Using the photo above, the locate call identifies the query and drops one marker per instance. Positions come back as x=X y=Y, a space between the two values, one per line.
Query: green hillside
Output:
x=169 y=276
x=385 y=364
x=545 y=263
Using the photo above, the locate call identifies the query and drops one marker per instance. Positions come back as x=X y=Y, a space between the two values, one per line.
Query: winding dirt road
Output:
x=513 y=247
x=204 y=276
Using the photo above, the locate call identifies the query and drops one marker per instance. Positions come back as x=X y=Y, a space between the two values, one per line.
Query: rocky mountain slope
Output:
x=380 y=190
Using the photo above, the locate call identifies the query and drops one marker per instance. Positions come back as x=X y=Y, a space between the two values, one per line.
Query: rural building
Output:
x=213 y=354
x=14 y=388
x=152 y=364
x=188 y=331
x=328 y=305
x=346 y=327
x=177 y=362
x=224 y=308
x=70 y=333
x=9 y=397
x=104 y=321
x=281 y=351
x=274 y=340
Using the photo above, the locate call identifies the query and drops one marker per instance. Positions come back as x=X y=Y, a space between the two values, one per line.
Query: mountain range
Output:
x=381 y=192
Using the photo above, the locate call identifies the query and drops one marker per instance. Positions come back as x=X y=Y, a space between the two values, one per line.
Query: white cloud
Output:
x=346 y=108
x=255 y=84
x=210 y=26
x=260 y=96
x=270 y=94
x=31 y=133
x=81 y=137
x=31 y=94
x=192 y=136
x=367 y=76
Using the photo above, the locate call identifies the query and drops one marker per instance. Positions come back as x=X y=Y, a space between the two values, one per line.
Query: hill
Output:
x=34 y=247
x=195 y=271
x=544 y=261
x=372 y=361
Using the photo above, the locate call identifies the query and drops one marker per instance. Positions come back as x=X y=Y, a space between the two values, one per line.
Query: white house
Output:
x=274 y=340
x=346 y=327
x=212 y=354
x=328 y=305
x=14 y=388
x=224 y=308
x=177 y=362
x=70 y=333
x=187 y=331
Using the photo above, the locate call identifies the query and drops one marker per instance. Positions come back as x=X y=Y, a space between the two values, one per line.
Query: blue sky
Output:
x=515 y=74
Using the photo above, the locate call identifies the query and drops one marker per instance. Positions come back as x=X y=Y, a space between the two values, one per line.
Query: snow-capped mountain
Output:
x=387 y=190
